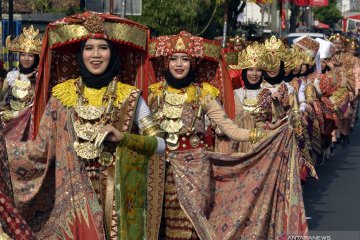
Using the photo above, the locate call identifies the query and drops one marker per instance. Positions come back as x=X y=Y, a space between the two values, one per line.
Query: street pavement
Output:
x=332 y=203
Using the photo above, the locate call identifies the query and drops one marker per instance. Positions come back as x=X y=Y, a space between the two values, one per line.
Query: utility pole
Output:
x=111 y=10
x=123 y=8
x=274 y=16
x=223 y=44
x=82 y=5
x=10 y=29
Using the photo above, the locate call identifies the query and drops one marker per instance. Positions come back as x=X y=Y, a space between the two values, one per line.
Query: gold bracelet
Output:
x=4 y=236
x=256 y=134
x=152 y=131
x=252 y=135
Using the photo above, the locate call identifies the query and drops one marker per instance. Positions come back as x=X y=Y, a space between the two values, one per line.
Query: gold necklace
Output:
x=89 y=119
x=169 y=117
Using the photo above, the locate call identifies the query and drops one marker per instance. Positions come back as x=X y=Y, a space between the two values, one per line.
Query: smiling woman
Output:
x=96 y=55
x=88 y=140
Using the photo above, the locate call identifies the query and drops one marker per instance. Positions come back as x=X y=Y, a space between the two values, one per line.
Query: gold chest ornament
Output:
x=22 y=94
x=169 y=116
x=250 y=104
x=89 y=120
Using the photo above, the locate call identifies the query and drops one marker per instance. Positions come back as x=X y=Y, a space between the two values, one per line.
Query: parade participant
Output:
x=344 y=89
x=19 y=85
x=352 y=47
x=87 y=174
x=305 y=50
x=253 y=104
x=207 y=194
x=230 y=57
x=274 y=75
x=179 y=101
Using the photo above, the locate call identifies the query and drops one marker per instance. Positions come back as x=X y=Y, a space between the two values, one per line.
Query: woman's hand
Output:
x=3 y=235
x=351 y=96
x=108 y=133
x=330 y=64
x=277 y=124
x=275 y=95
x=32 y=76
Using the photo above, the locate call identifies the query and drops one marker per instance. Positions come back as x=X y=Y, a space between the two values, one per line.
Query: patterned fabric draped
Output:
x=59 y=63
x=11 y=221
x=55 y=193
x=243 y=196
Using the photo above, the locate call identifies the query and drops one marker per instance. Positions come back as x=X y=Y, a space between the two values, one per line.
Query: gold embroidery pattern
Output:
x=28 y=41
x=66 y=93
x=212 y=50
x=207 y=89
x=114 y=30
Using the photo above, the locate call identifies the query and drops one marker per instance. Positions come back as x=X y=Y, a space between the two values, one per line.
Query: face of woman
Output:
x=303 y=69
x=323 y=63
x=297 y=69
x=338 y=45
x=287 y=71
x=253 y=75
x=179 y=65
x=274 y=73
x=96 y=55
x=27 y=59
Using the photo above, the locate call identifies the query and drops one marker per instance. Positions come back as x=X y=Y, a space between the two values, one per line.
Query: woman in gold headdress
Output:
x=352 y=49
x=19 y=85
x=87 y=173
x=207 y=194
x=343 y=93
x=274 y=74
x=184 y=65
x=253 y=104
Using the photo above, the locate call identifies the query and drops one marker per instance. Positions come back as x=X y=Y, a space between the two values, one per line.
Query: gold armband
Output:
x=257 y=134
x=149 y=127
x=4 y=236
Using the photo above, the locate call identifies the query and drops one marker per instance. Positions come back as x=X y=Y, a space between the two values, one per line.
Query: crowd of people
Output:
x=108 y=134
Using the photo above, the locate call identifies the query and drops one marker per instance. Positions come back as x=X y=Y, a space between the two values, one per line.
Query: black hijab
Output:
x=326 y=69
x=180 y=83
x=247 y=84
x=32 y=68
x=289 y=77
x=279 y=78
x=98 y=81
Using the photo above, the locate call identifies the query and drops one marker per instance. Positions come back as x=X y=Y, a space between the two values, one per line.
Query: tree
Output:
x=329 y=15
x=200 y=17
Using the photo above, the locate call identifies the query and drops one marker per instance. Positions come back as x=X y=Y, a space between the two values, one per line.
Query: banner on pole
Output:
x=318 y=3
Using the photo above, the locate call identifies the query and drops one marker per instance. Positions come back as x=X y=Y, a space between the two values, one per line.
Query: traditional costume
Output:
x=74 y=185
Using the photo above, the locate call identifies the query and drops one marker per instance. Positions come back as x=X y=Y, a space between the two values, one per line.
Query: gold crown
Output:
x=28 y=41
x=180 y=45
x=337 y=37
x=298 y=56
x=237 y=39
x=352 y=44
x=252 y=57
x=308 y=58
x=276 y=47
x=289 y=58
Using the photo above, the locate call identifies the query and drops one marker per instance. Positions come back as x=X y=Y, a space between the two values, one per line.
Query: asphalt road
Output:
x=332 y=203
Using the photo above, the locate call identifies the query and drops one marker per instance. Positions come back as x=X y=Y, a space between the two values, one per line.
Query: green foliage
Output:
x=250 y=29
x=196 y=16
x=40 y=5
x=329 y=15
